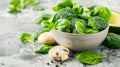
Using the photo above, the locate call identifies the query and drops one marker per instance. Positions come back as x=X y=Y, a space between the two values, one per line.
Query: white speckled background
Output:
x=14 y=54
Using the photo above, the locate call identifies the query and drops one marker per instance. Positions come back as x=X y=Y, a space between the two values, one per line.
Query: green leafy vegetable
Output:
x=112 y=41
x=102 y=12
x=74 y=20
x=80 y=27
x=89 y=57
x=14 y=6
x=74 y=31
x=90 y=31
x=85 y=13
x=97 y=23
x=25 y=3
x=39 y=9
x=65 y=13
x=18 y=5
x=43 y=49
x=63 y=4
x=42 y=18
x=27 y=38
x=77 y=9
x=82 y=12
x=48 y=25
x=63 y=25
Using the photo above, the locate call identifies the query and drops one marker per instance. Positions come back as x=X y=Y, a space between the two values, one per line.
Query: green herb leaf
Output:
x=65 y=13
x=43 y=17
x=14 y=6
x=102 y=12
x=74 y=20
x=43 y=49
x=82 y=12
x=97 y=23
x=80 y=27
x=77 y=9
x=63 y=4
x=89 y=57
x=27 y=38
x=90 y=31
x=48 y=25
x=63 y=25
x=112 y=41
x=18 y=5
x=25 y=3
x=85 y=13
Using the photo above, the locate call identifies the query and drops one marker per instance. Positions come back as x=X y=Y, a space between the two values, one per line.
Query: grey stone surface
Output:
x=14 y=54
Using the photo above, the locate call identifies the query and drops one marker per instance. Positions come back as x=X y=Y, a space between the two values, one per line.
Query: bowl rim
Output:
x=80 y=34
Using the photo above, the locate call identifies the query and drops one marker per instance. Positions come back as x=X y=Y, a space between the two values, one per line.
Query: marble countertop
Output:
x=14 y=54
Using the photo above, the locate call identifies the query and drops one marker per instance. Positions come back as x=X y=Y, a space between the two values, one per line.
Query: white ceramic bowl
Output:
x=79 y=42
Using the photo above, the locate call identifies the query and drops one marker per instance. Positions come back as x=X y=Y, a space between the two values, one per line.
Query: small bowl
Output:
x=78 y=42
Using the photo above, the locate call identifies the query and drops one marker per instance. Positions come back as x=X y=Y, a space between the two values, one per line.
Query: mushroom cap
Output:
x=46 y=38
x=59 y=53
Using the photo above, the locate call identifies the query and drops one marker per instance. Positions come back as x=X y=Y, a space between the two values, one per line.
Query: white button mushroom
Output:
x=46 y=38
x=59 y=53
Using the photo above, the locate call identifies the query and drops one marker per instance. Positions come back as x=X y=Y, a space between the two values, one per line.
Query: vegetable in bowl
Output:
x=102 y=12
x=91 y=23
x=83 y=20
x=63 y=25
